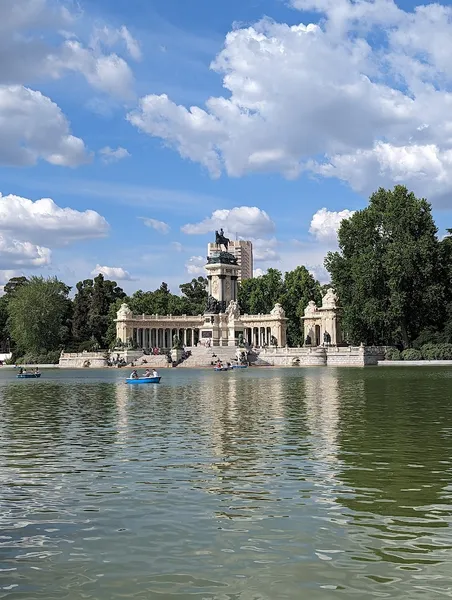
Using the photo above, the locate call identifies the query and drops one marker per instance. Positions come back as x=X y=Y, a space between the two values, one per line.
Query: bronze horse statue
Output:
x=220 y=239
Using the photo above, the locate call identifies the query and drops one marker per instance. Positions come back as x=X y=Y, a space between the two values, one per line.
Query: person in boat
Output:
x=147 y=373
x=21 y=371
x=219 y=365
x=134 y=374
x=155 y=373
x=37 y=371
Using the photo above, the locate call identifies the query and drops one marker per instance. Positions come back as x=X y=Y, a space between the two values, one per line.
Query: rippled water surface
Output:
x=259 y=484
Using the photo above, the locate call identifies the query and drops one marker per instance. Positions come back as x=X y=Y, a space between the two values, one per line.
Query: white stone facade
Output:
x=322 y=324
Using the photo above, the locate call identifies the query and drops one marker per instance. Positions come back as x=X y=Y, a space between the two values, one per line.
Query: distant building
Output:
x=243 y=252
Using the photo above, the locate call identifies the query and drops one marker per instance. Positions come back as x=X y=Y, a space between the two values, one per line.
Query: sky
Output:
x=131 y=131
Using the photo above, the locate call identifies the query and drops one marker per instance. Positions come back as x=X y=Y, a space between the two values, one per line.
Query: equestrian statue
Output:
x=221 y=239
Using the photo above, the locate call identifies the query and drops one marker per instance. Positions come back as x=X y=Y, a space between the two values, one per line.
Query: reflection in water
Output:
x=259 y=484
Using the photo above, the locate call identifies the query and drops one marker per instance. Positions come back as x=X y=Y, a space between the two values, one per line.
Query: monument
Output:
x=222 y=323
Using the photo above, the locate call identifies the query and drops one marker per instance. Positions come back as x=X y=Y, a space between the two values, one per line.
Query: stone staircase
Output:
x=203 y=357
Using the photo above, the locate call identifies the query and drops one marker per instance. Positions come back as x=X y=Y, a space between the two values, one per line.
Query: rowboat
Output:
x=28 y=376
x=222 y=368
x=143 y=380
x=239 y=366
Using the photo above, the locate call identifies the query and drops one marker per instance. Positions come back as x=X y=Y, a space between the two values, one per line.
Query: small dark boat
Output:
x=28 y=376
x=222 y=368
x=239 y=366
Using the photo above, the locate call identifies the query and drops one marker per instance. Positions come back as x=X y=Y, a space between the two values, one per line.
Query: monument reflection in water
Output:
x=261 y=483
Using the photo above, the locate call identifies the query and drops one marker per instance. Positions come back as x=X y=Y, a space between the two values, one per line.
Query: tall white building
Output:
x=243 y=251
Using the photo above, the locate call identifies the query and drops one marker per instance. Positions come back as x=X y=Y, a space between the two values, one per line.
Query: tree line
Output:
x=391 y=272
x=38 y=317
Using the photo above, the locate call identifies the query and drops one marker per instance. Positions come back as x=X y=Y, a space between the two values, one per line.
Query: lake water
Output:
x=259 y=484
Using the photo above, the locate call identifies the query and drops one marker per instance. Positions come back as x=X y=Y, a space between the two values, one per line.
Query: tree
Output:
x=300 y=287
x=104 y=293
x=388 y=273
x=38 y=314
x=195 y=293
x=13 y=284
x=81 y=330
x=260 y=294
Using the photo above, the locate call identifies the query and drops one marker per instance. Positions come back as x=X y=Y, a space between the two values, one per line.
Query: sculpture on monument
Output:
x=278 y=311
x=124 y=312
x=221 y=239
x=241 y=341
x=329 y=300
x=233 y=311
x=214 y=306
x=177 y=344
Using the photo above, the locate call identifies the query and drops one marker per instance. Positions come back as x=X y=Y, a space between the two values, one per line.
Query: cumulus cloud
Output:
x=15 y=253
x=265 y=250
x=159 y=226
x=35 y=44
x=114 y=273
x=43 y=221
x=32 y=127
x=111 y=156
x=258 y=272
x=326 y=98
x=325 y=224
x=245 y=221
x=195 y=265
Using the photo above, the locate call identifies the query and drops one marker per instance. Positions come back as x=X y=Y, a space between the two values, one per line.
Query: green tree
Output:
x=195 y=293
x=388 y=272
x=260 y=294
x=81 y=330
x=14 y=283
x=299 y=288
x=104 y=294
x=38 y=315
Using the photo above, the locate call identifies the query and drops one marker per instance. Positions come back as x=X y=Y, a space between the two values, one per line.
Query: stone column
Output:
x=185 y=337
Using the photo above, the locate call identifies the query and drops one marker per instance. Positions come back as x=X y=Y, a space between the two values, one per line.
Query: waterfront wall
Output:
x=333 y=356
x=80 y=360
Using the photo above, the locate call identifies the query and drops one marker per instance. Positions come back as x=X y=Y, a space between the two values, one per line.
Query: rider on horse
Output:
x=220 y=238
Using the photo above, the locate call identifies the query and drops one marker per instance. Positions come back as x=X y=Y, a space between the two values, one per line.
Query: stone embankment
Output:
x=336 y=356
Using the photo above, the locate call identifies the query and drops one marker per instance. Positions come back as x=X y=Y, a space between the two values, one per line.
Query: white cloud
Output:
x=325 y=224
x=115 y=273
x=159 y=226
x=245 y=221
x=177 y=246
x=368 y=90
x=43 y=221
x=265 y=250
x=108 y=73
x=32 y=127
x=195 y=265
x=258 y=272
x=38 y=41
x=111 y=156
x=14 y=253
x=111 y=37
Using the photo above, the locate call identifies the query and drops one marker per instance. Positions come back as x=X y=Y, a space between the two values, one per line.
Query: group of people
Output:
x=23 y=371
x=147 y=373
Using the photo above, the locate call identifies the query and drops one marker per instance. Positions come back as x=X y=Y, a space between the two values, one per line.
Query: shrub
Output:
x=437 y=351
x=392 y=354
x=411 y=354
x=46 y=358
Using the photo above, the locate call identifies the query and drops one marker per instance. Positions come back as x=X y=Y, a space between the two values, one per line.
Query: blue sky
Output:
x=314 y=104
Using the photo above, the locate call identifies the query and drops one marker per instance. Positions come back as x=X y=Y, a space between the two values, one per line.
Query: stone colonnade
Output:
x=162 y=337
x=258 y=336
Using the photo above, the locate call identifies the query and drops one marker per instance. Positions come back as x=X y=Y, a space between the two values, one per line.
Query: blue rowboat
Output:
x=143 y=380
x=239 y=366
x=222 y=368
x=28 y=376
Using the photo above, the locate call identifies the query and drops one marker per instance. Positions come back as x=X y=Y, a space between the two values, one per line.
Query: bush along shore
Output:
x=425 y=352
